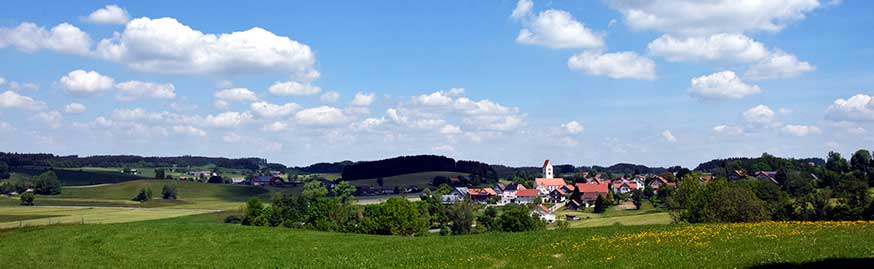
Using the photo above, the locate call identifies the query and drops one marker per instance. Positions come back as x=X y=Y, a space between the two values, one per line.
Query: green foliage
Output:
x=720 y=201
x=562 y=225
x=344 y=191
x=402 y=217
x=601 y=204
x=836 y=163
x=314 y=189
x=27 y=198
x=4 y=170
x=444 y=189
x=144 y=195
x=611 y=198
x=252 y=211
x=489 y=219
x=168 y=192
x=160 y=174
x=47 y=183
x=861 y=161
x=516 y=218
x=636 y=198
x=460 y=216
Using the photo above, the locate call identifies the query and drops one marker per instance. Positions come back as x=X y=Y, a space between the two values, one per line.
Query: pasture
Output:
x=197 y=241
x=14 y=217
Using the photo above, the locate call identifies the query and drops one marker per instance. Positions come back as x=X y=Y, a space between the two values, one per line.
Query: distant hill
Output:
x=327 y=168
x=78 y=178
x=766 y=162
x=74 y=161
x=415 y=164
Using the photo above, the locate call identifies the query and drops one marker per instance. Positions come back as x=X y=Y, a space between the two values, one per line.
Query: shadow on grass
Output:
x=827 y=263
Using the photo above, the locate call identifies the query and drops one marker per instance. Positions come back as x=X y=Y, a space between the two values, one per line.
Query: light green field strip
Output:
x=92 y=215
x=643 y=219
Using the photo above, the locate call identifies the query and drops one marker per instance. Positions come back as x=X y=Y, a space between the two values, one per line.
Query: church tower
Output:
x=547 y=169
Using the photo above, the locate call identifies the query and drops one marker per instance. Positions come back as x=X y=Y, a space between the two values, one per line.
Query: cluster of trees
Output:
x=168 y=192
x=766 y=162
x=51 y=160
x=836 y=191
x=466 y=217
x=414 y=164
x=46 y=183
x=326 y=168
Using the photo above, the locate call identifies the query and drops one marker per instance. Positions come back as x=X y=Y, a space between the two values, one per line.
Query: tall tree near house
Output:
x=47 y=183
x=576 y=195
x=861 y=161
x=314 y=189
x=836 y=163
x=344 y=191
x=636 y=198
x=600 y=204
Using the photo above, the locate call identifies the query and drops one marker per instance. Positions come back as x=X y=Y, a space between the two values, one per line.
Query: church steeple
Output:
x=547 y=169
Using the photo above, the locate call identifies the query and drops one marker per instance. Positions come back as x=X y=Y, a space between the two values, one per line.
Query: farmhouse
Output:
x=266 y=180
x=625 y=186
x=590 y=192
x=481 y=195
x=658 y=182
x=557 y=196
x=508 y=193
x=546 y=185
x=767 y=176
x=526 y=196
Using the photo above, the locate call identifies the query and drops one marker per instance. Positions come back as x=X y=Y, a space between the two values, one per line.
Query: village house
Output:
x=557 y=195
x=548 y=183
x=590 y=192
x=457 y=194
x=266 y=181
x=767 y=176
x=526 y=196
x=481 y=195
x=544 y=213
x=508 y=193
x=658 y=182
x=625 y=186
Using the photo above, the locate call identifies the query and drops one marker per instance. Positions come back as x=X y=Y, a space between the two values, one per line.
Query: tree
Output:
x=576 y=195
x=47 y=183
x=611 y=198
x=380 y=181
x=168 y=192
x=837 y=163
x=145 y=194
x=516 y=218
x=27 y=198
x=460 y=216
x=636 y=198
x=253 y=210
x=737 y=204
x=215 y=180
x=344 y=191
x=402 y=217
x=444 y=189
x=4 y=170
x=489 y=219
x=861 y=161
x=600 y=204
x=160 y=174
x=314 y=189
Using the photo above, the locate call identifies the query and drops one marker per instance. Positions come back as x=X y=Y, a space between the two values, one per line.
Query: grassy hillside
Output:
x=421 y=179
x=197 y=242
x=190 y=194
x=77 y=177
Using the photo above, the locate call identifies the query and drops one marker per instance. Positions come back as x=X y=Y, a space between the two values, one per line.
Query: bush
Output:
x=168 y=192
x=516 y=218
x=47 y=184
x=233 y=219
x=27 y=198
x=144 y=195
x=600 y=204
x=253 y=210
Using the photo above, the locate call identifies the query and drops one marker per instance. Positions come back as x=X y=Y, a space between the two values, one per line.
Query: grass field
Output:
x=646 y=215
x=421 y=180
x=197 y=241
x=32 y=216
x=75 y=177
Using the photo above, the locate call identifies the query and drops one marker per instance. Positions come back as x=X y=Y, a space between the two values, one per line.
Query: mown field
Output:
x=198 y=241
x=14 y=217
x=421 y=180
x=646 y=215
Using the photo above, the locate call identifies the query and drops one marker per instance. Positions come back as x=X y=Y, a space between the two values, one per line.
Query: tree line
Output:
x=414 y=164
x=73 y=161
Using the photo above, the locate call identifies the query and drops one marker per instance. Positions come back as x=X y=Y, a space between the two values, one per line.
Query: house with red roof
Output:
x=558 y=195
x=546 y=185
x=589 y=192
x=481 y=195
x=526 y=196
x=658 y=182
x=508 y=193
x=767 y=176
x=625 y=186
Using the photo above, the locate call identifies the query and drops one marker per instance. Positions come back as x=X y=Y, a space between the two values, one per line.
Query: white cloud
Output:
x=228 y=119
x=323 y=115
x=429 y=124
x=450 y=129
x=737 y=47
x=439 y=98
x=236 y=95
x=363 y=99
x=10 y=99
x=573 y=127
x=559 y=30
x=276 y=126
x=188 y=130
x=132 y=90
x=721 y=85
x=668 y=136
x=30 y=38
x=369 y=123
x=330 y=97
x=728 y=130
x=523 y=8
x=136 y=114
x=778 y=65
x=293 y=88
x=692 y=17
x=801 y=130
x=759 y=114
x=231 y=138
x=268 y=110
x=81 y=83
x=110 y=14
x=74 y=108
x=50 y=118
x=860 y=107
x=617 y=65
x=103 y=122
x=166 y=46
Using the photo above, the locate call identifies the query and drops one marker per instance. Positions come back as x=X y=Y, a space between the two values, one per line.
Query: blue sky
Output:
x=511 y=82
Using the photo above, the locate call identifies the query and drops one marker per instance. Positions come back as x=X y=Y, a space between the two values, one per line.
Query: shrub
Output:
x=516 y=218
x=168 y=192
x=233 y=219
x=601 y=204
x=144 y=195
x=47 y=183
x=27 y=198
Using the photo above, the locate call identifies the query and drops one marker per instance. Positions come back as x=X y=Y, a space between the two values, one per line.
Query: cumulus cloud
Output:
x=692 y=17
x=268 y=110
x=110 y=14
x=728 y=130
x=557 y=29
x=81 y=83
x=450 y=130
x=188 y=130
x=801 y=130
x=573 y=127
x=236 y=95
x=10 y=99
x=228 y=119
x=132 y=90
x=321 y=116
x=330 y=97
x=438 y=98
x=293 y=88
x=74 y=108
x=778 y=65
x=860 y=107
x=363 y=99
x=136 y=114
x=523 y=8
x=736 y=47
x=63 y=38
x=617 y=65
x=165 y=45
x=49 y=118
x=276 y=126
x=231 y=137
x=759 y=114
x=668 y=136
x=721 y=85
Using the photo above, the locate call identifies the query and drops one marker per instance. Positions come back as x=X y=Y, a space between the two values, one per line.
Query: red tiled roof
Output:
x=550 y=182
x=483 y=191
x=595 y=188
x=527 y=193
